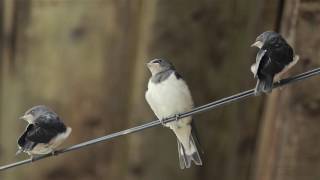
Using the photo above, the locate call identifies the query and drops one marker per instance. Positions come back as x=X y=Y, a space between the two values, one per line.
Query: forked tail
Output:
x=185 y=157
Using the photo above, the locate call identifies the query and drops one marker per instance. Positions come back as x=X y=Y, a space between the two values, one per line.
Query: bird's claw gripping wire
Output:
x=177 y=116
x=32 y=158
x=162 y=121
x=280 y=88
x=54 y=153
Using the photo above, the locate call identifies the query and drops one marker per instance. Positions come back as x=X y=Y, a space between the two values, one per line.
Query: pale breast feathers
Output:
x=169 y=97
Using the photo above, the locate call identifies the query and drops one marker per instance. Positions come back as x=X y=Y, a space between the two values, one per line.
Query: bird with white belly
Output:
x=168 y=95
x=44 y=133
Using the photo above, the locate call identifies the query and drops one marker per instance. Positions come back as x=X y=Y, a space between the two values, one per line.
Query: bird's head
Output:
x=159 y=65
x=264 y=37
x=32 y=114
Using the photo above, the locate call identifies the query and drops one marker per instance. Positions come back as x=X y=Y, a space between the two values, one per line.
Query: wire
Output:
x=203 y=108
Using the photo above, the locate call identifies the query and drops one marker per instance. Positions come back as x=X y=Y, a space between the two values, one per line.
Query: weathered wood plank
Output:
x=289 y=149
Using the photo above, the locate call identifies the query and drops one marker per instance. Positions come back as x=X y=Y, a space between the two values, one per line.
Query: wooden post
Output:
x=289 y=147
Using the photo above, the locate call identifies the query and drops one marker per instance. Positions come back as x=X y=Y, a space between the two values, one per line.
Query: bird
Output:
x=169 y=95
x=44 y=133
x=274 y=58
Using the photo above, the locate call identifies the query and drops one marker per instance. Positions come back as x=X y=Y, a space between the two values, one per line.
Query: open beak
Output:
x=258 y=44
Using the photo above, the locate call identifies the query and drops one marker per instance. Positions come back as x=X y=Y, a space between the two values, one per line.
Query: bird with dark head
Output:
x=44 y=133
x=274 y=58
x=168 y=94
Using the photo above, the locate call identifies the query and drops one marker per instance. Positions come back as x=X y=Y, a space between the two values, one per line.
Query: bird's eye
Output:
x=157 y=61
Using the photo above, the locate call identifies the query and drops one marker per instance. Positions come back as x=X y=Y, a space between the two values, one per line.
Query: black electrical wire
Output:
x=203 y=108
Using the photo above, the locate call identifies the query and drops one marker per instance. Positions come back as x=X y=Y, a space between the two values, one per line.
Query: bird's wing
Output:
x=22 y=142
x=41 y=135
x=261 y=56
x=195 y=135
x=50 y=121
x=45 y=129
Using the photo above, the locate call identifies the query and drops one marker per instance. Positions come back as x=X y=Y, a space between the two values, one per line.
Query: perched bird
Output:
x=44 y=133
x=274 y=58
x=168 y=95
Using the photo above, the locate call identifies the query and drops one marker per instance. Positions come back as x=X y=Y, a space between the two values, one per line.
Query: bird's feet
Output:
x=54 y=152
x=162 y=121
x=279 y=82
x=32 y=158
x=177 y=116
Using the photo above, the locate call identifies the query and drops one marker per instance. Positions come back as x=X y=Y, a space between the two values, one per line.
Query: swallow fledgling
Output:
x=274 y=58
x=44 y=133
x=168 y=95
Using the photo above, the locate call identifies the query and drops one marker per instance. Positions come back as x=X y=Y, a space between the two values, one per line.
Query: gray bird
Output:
x=44 y=133
x=168 y=95
x=274 y=58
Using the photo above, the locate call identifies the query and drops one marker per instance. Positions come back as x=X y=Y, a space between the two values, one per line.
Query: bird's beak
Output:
x=27 y=117
x=22 y=118
x=258 y=44
x=19 y=151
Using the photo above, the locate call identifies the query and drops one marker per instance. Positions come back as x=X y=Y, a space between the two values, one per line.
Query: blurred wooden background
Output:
x=86 y=59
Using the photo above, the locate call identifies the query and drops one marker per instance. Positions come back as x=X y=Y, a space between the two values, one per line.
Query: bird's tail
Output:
x=185 y=157
x=264 y=85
